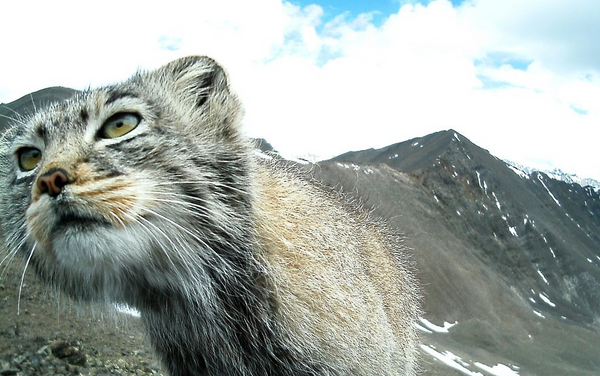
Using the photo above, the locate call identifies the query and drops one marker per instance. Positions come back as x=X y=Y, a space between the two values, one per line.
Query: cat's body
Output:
x=146 y=193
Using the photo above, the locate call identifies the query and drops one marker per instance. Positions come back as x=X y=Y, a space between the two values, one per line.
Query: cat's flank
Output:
x=147 y=193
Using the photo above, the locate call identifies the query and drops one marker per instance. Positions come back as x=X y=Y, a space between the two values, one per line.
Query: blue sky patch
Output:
x=169 y=43
x=379 y=9
x=489 y=83
x=578 y=110
x=497 y=59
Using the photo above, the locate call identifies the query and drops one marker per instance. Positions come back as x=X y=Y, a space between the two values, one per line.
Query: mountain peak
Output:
x=416 y=154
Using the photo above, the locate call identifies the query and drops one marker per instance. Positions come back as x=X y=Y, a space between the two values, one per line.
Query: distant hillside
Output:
x=30 y=102
x=513 y=258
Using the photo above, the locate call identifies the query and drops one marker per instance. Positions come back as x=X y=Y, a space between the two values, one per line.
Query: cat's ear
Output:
x=197 y=77
x=201 y=82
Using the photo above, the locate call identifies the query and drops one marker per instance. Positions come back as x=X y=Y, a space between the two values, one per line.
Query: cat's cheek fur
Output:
x=40 y=222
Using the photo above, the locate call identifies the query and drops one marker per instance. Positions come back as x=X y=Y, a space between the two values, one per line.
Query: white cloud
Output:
x=74 y=43
x=521 y=79
x=562 y=35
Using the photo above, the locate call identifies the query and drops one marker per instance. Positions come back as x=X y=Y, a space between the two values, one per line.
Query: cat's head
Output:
x=135 y=183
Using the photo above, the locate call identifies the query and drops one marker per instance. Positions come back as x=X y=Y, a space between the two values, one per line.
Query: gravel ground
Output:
x=54 y=336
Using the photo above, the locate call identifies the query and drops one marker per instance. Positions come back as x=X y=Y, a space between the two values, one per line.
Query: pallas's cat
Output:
x=146 y=193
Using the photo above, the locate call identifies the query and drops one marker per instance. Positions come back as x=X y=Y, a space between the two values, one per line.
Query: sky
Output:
x=319 y=78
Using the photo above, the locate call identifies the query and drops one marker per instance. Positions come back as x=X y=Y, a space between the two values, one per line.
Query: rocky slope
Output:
x=514 y=258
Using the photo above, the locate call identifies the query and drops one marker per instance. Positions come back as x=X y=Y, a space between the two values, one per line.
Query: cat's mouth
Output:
x=46 y=225
x=79 y=222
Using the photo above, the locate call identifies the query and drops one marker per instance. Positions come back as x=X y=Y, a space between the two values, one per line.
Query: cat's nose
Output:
x=52 y=182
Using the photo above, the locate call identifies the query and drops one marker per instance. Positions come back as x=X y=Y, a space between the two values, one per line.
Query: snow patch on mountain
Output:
x=555 y=174
x=498 y=370
x=547 y=300
x=519 y=172
x=431 y=327
x=549 y=192
x=456 y=362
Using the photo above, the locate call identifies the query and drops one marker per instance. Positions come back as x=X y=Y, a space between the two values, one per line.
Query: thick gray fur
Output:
x=237 y=266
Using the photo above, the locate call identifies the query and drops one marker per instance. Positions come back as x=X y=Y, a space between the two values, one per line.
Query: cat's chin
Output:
x=93 y=261
x=89 y=257
x=110 y=264
x=92 y=244
x=63 y=225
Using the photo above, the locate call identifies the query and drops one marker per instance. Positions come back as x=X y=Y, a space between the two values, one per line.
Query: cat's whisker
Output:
x=186 y=206
x=195 y=236
x=119 y=219
x=207 y=203
x=184 y=196
x=11 y=109
x=220 y=219
x=204 y=183
x=8 y=259
x=10 y=254
x=191 y=265
x=211 y=183
x=33 y=102
x=23 y=279
x=146 y=224
x=13 y=119
x=13 y=250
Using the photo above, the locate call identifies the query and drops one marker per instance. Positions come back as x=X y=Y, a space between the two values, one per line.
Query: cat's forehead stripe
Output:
x=41 y=130
x=84 y=115
x=117 y=95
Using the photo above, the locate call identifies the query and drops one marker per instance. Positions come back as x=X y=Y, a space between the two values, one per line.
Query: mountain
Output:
x=512 y=258
x=508 y=259
x=558 y=174
x=30 y=102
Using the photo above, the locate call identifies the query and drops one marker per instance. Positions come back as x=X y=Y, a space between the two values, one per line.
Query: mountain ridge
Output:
x=395 y=151
x=496 y=248
x=558 y=174
x=467 y=179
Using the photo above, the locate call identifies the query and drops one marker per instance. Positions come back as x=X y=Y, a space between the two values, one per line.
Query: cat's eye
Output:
x=119 y=125
x=29 y=158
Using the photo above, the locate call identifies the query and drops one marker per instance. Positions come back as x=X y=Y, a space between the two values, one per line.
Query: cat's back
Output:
x=339 y=277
